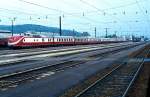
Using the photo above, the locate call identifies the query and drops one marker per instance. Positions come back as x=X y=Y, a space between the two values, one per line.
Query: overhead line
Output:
x=148 y=21
x=41 y=6
x=17 y=11
x=121 y=6
x=56 y=10
x=100 y=10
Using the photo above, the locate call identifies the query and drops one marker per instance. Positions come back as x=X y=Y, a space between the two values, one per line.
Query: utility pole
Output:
x=95 y=32
x=106 y=32
x=12 y=25
x=116 y=34
x=74 y=33
x=60 y=31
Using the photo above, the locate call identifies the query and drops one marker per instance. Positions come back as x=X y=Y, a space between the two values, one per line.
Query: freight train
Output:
x=38 y=41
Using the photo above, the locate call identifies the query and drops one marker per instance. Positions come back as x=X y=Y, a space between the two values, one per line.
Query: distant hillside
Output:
x=40 y=28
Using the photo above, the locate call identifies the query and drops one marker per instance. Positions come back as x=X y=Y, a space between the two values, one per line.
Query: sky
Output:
x=123 y=17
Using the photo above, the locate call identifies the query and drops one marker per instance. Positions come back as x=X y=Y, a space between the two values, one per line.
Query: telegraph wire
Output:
x=100 y=10
x=121 y=6
x=49 y=8
x=138 y=4
x=42 y=6
x=83 y=16
x=16 y=11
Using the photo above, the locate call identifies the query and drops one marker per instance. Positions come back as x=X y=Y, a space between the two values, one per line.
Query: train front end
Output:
x=15 y=41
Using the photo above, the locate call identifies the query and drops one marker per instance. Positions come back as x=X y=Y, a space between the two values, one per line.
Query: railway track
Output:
x=14 y=52
x=14 y=79
x=43 y=51
x=19 y=58
x=116 y=82
x=23 y=57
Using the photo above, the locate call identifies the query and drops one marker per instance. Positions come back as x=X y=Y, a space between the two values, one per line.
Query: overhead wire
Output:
x=16 y=11
x=140 y=8
x=63 y=12
x=42 y=6
x=57 y=10
x=83 y=17
x=70 y=13
x=129 y=25
x=100 y=10
x=122 y=6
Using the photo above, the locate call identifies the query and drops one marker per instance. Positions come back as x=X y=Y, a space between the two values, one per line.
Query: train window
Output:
x=34 y=40
x=24 y=40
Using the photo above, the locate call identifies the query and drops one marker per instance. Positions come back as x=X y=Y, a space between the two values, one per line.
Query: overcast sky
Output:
x=125 y=17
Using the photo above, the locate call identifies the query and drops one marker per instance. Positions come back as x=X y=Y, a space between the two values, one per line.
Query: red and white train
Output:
x=4 y=34
x=36 y=41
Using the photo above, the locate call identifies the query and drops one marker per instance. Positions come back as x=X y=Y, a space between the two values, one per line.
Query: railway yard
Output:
x=98 y=70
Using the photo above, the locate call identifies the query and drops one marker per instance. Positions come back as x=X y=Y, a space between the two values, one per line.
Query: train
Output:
x=4 y=34
x=39 y=41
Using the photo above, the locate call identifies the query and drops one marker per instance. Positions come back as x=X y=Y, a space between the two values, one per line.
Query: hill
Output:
x=40 y=28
